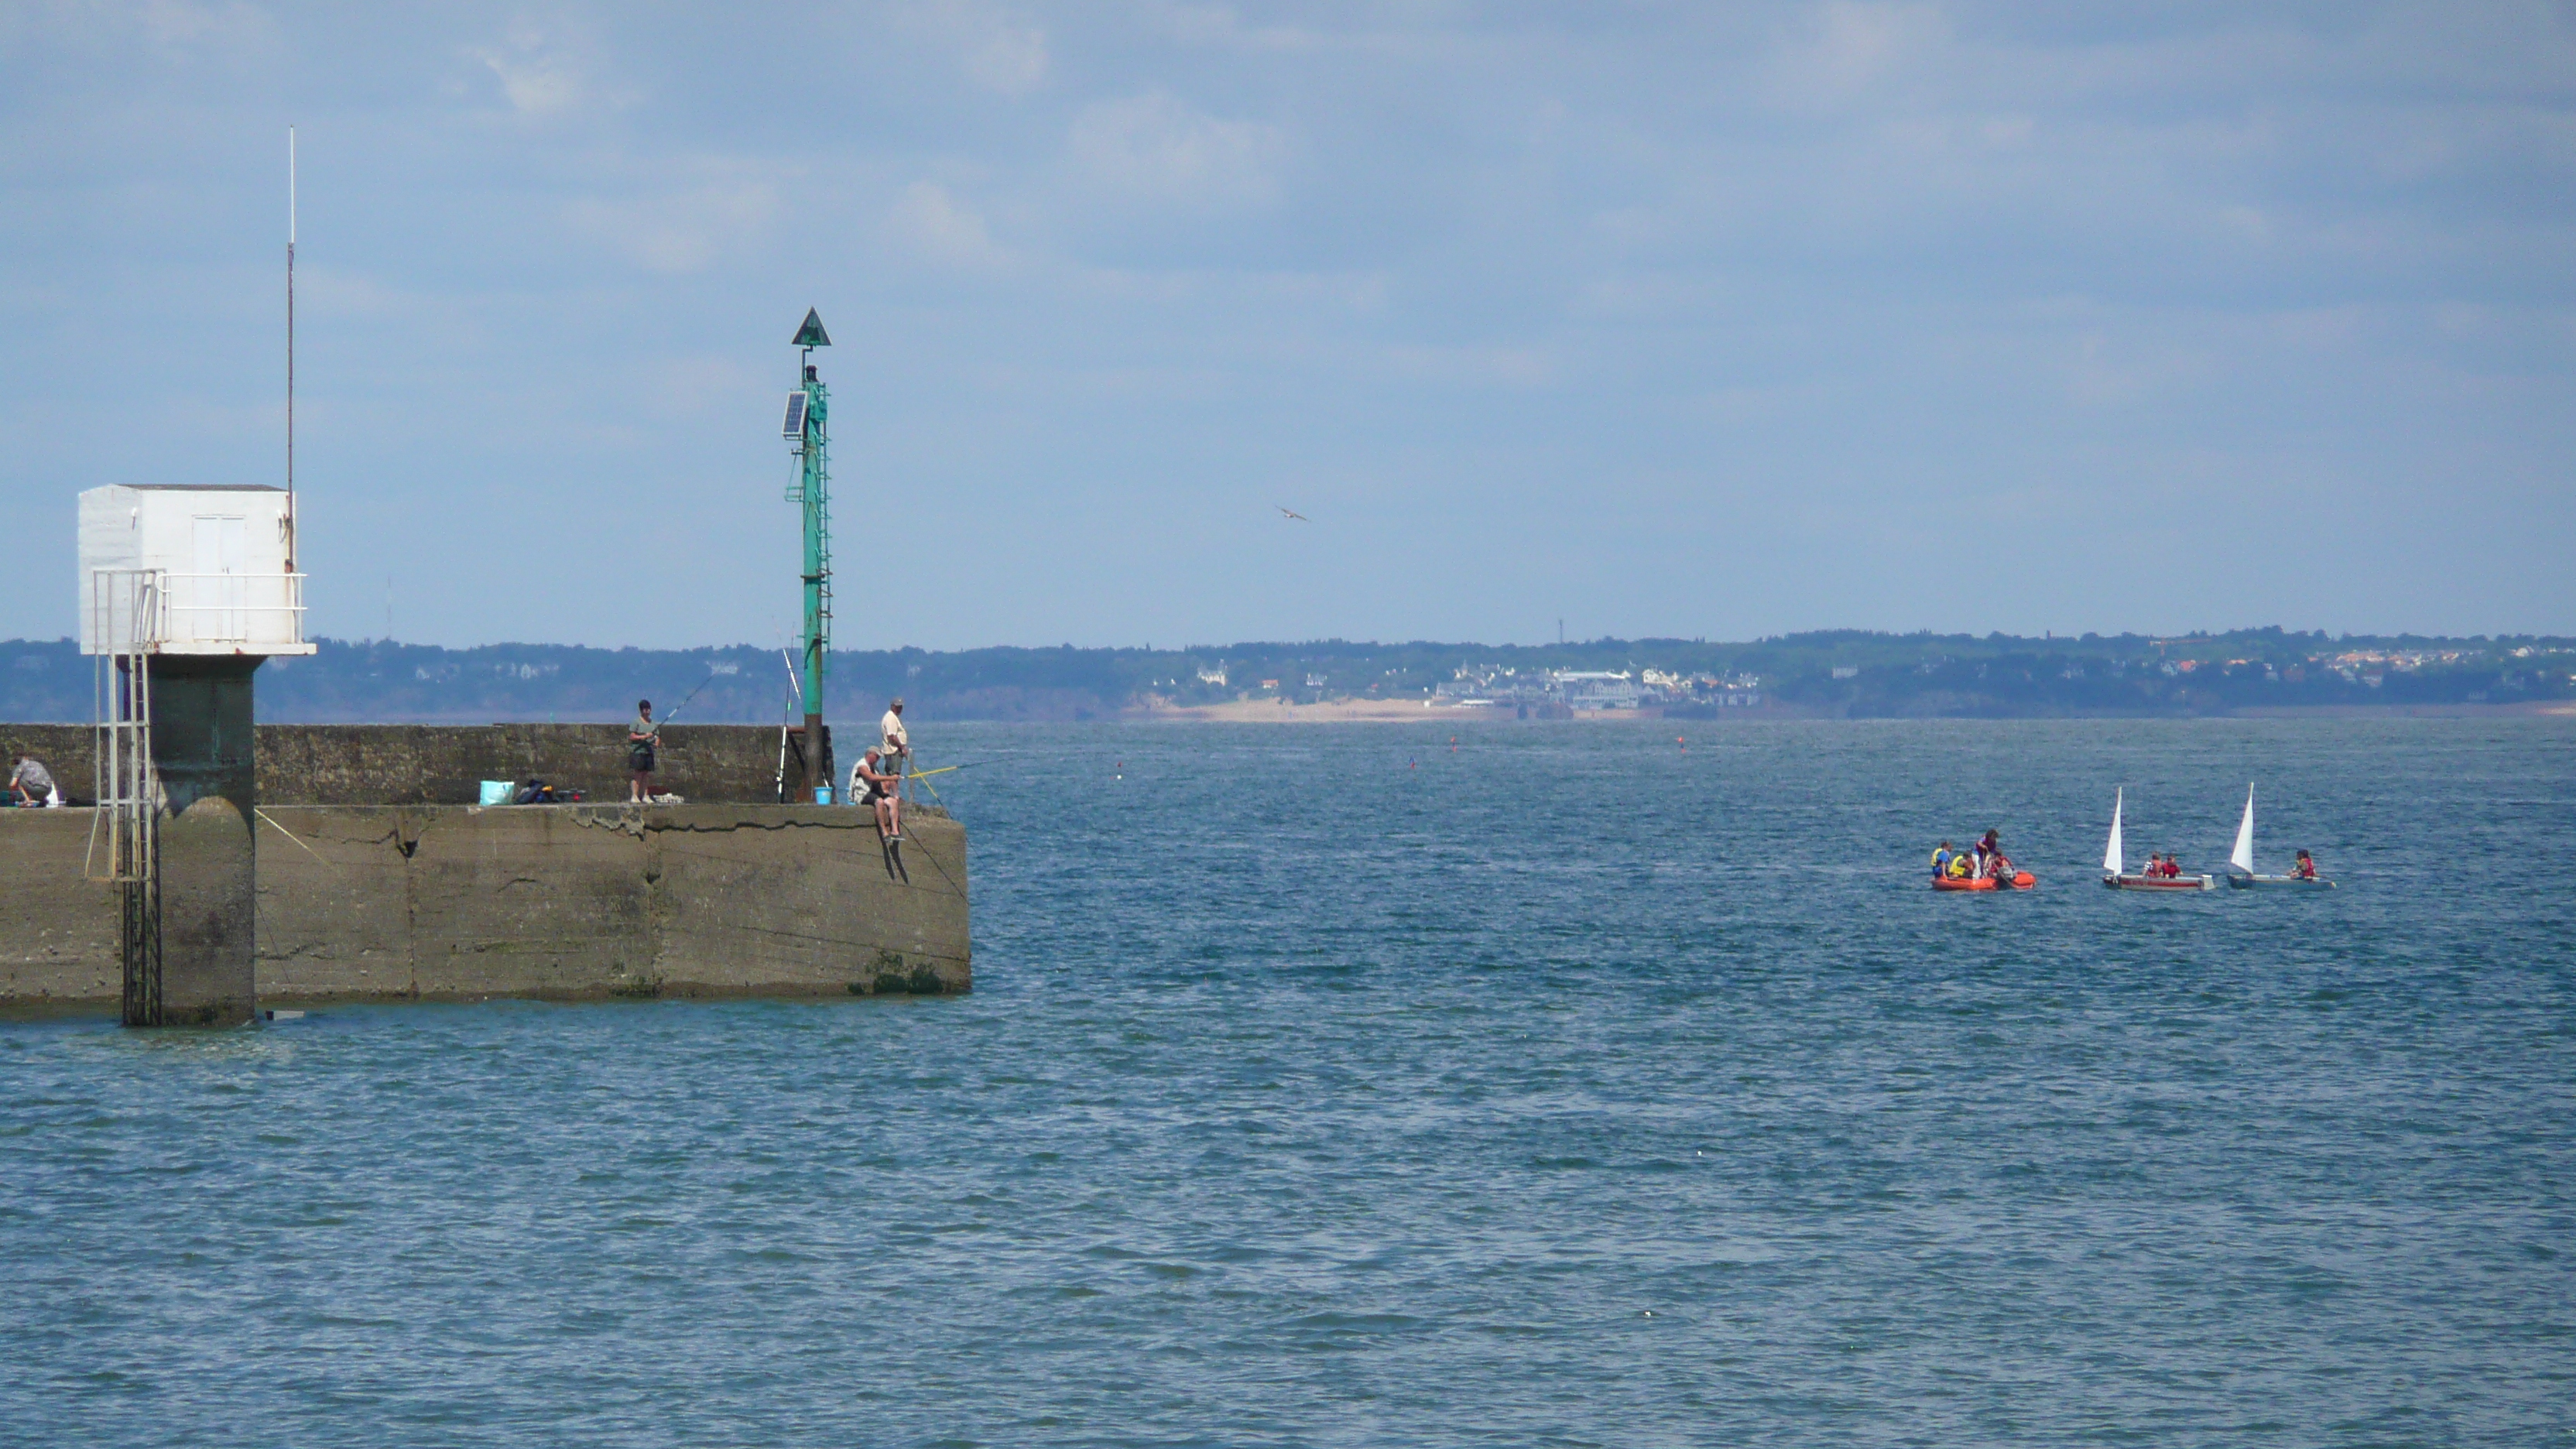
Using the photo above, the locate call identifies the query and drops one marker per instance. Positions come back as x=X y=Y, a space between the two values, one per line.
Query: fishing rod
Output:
x=674 y=711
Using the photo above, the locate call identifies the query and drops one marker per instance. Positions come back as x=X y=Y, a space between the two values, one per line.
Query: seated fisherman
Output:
x=33 y=784
x=872 y=783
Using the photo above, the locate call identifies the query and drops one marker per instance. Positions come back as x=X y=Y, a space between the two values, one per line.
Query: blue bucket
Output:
x=822 y=794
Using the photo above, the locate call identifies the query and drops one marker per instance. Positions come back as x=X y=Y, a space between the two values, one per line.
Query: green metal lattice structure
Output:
x=808 y=408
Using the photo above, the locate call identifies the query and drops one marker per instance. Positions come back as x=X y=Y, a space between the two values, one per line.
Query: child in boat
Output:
x=1960 y=866
x=2306 y=869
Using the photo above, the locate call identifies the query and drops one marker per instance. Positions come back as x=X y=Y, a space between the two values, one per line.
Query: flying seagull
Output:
x=1293 y=513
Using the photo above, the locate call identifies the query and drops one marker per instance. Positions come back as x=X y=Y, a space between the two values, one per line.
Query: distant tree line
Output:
x=1843 y=673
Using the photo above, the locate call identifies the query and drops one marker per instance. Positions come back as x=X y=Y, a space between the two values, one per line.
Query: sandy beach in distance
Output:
x=1339 y=711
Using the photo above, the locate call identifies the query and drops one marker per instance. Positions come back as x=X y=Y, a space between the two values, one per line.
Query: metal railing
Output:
x=126 y=609
x=231 y=609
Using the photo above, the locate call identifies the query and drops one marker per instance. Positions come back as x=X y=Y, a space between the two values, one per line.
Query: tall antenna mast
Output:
x=290 y=349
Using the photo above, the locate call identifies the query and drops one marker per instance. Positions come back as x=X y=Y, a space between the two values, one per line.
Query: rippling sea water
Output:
x=1324 y=1086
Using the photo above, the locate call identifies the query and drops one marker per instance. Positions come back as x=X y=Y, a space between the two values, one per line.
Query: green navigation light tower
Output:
x=807 y=408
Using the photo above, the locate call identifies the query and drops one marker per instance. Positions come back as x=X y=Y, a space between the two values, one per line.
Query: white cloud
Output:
x=1856 y=50
x=680 y=231
x=536 y=79
x=183 y=24
x=1158 y=145
x=939 y=226
x=999 y=49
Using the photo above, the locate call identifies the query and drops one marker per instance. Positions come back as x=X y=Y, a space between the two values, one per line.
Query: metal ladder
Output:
x=125 y=610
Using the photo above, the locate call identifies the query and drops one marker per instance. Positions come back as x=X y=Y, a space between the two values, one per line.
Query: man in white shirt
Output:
x=873 y=783
x=898 y=741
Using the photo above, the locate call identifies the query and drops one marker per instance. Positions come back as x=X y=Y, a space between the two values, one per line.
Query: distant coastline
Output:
x=1843 y=674
x=1417 y=712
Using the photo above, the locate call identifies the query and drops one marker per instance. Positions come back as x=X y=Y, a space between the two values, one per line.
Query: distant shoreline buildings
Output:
x=1559 y=692
x=1827 y=675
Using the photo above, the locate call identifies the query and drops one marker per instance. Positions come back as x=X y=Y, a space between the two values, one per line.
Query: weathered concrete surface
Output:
x=202 y=750
x=567 y=902
x=57 y=930
x=446 y=764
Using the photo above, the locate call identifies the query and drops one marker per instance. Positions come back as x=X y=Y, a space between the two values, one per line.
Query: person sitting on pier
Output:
x=2306 y=869
x=872 y=784
x=33 y=784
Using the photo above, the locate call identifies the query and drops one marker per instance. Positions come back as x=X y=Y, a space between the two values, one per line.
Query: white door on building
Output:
x=214 y=605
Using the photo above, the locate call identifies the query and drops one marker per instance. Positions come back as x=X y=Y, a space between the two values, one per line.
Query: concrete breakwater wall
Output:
x=427 y=902
x=446 y=764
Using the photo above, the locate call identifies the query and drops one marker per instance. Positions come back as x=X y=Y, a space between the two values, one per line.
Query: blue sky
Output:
x=1680 y=320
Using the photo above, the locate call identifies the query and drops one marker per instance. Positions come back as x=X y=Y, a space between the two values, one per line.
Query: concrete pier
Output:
x=565 y=902
x=202 y=748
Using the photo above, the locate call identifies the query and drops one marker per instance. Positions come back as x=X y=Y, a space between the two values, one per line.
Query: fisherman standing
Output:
x=640 y=739
x=898 y=740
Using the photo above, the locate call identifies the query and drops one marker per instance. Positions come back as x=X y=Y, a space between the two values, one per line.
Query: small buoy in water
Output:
x=1650 y=1313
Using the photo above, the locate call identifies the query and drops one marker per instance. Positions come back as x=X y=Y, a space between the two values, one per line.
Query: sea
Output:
x=1518 y=1084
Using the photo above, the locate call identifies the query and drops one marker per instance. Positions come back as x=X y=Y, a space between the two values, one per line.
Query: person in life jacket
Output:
x=1961 y=866
x=2306 y=869
x=1941 y=860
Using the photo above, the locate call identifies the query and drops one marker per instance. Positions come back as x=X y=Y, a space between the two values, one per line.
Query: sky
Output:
x=1656 y=320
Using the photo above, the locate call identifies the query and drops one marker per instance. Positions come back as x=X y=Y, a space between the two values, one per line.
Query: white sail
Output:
x=2243 y=857
x=2111 y=857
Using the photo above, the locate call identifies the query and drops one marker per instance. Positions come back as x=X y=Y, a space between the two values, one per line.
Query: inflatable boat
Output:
x=2020 y=880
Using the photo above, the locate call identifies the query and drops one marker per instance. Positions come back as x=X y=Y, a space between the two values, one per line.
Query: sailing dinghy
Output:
x=2241 y=861
x=2116 y=879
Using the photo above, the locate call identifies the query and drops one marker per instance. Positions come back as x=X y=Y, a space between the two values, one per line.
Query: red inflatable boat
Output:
x=2021 y=880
